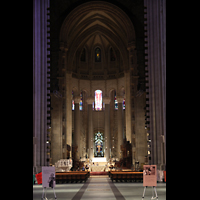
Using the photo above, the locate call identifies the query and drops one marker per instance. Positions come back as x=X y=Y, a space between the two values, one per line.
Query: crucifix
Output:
x=99 y=147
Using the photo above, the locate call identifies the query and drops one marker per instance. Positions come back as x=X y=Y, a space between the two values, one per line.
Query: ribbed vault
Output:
x=97 y=24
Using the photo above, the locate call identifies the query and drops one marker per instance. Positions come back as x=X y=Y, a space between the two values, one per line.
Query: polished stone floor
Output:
x=97 y=188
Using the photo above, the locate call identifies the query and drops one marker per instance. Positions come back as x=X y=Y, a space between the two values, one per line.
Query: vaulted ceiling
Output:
x=100 y=24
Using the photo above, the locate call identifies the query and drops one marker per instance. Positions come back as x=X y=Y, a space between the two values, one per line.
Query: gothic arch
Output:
x=97 y=18
x=75 y=91
x=99 y=88
x=110 y=91
x=122 y=91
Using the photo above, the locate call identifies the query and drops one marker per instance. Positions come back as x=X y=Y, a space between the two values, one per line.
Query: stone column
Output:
x=134 y=83
x=156 y=77
x=56 y=129
x=40 y=84
x=106 y=100
x=90 y=128
x=120 y=125
x=77 y=125
x=69 y=110
x=128 y=105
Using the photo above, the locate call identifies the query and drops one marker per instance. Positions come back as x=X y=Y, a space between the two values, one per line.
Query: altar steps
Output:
x=98 y=173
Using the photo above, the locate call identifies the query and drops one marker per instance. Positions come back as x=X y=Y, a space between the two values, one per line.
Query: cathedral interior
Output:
x=99 y=82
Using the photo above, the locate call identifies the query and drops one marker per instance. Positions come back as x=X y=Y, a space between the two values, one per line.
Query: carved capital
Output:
x=120 y=99
x=106 y=100
x=77 y=99
x=90 y=100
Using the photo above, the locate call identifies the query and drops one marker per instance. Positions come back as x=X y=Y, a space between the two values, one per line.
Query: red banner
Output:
x=39 y=178
x=165 y=176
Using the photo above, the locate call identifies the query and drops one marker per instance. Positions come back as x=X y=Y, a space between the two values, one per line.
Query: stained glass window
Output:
x=72 y=101
x=98 y=100
x=97 y=54
x=73 y=105
x=124 y=104
x=81 y=102
x=98 y=140
x=103 y=106
x=116 y=103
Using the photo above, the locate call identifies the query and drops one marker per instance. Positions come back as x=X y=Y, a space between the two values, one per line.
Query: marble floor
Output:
x=100 y=187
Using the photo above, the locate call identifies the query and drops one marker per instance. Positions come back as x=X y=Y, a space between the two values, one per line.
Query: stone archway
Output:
x=88 y=26
x=94 y=24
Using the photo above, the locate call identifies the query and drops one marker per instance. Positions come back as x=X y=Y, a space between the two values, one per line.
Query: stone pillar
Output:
x=156 y=77
x=56 y=129
x=107 y=128
x=120 y=124
x=40 y=84
x=69 y=110
x=90 y=128
x=77 y=125
x=133 y=84
x=128 y=106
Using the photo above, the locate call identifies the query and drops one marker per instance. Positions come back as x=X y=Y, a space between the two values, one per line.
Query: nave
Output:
x=98 y=188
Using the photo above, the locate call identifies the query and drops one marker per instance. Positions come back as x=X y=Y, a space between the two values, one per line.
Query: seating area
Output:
x=72 y=176
x=126 y=176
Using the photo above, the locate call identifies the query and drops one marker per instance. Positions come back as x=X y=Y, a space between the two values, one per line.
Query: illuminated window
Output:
x=124 y=104
x=98 y=100
x=99 y=145
x=72 y=101
x=73 y=106
x=97 y=54
x=116 y=102
x=81 y=102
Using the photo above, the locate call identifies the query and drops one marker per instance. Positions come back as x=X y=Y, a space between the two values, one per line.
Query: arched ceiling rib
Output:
x=102 y=13
x=97 y=30
x=112 y=25
x=97 y=23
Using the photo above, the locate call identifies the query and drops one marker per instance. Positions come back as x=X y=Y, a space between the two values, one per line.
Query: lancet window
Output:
x=73 y=106
x=97 y=54
x=116 y=102
x=98 y=100
x=81 y=102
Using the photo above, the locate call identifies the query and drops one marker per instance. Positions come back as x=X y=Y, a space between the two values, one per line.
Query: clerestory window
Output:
x=98 y=100
x=97 y=54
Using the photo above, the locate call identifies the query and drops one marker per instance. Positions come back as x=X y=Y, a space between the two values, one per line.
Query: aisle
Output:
x=99 y=187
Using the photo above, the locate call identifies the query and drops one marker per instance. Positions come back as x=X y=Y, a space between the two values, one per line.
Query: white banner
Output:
x=48 y=177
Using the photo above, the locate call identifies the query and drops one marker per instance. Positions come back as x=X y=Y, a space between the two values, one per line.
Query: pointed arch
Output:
x=83 y=55
x=97 y=54
x=97 y=18
x=112 y=55
x=98 y=100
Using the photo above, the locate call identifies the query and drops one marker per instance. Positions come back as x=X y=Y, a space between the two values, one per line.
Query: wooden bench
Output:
x=126 y=176
x=73 y=176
